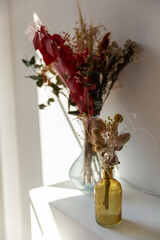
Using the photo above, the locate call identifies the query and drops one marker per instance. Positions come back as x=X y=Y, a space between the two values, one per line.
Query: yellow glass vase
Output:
x=108 y=200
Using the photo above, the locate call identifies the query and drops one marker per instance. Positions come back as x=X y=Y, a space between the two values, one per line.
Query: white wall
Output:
x=138 y=20
x=19 y=136
x=2 y=230
x=9 y=170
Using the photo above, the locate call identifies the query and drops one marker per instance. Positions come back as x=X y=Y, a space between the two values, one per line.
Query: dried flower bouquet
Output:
x=106 y=143
x=84 y=68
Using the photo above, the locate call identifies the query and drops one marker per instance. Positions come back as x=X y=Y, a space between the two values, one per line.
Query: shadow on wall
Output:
x=139 y=95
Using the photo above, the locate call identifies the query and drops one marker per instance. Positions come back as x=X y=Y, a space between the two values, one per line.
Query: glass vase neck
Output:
x=108 y=173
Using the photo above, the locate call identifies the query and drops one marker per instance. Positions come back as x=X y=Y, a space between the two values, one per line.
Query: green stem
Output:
x=106 y=196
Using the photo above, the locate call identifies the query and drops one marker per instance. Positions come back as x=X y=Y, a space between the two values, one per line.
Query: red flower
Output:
x=57 y=38
x=86 y=103
x=53 y=51
x=67 y=60
x=48 y=45
x=80 y=95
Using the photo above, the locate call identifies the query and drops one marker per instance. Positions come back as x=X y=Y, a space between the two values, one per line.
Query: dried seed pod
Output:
x=118 y=118
x=98 y=148
x=122 y=139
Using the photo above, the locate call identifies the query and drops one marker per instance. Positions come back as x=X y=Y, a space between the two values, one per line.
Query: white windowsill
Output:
x=65 y=213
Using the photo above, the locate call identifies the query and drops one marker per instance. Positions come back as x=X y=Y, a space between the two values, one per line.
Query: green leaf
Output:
x=94 y=76
x=98 y=102
x=26 y=62
x=32 y=61
x=50 y=100
x=34 y=77
x=74 y=112
x=37 y=65
x=39 y=83
x=42 y=106
x=29 y=63
x=70 y=102
x=56 y=89
x=97 y=105
x=59 y=81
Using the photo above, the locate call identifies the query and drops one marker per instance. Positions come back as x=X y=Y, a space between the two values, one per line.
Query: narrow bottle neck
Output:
x=108 y=173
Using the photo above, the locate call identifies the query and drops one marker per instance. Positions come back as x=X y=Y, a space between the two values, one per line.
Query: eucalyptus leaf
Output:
x=34 y=77
x=56 y=89
x=59 y=81
x=37 y=65
x=50 y=100
x=39 y=83
x=74 y=112
x=42 y=106
x=26 y=62
x=32 y=61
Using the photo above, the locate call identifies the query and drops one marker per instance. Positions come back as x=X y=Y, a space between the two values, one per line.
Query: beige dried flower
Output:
x=122 y=139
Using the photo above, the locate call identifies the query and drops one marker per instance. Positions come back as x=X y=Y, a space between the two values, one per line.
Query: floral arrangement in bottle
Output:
x=105 y=140
x=84 y=68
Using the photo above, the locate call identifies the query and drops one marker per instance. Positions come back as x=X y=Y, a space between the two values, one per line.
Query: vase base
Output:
x=83 y=187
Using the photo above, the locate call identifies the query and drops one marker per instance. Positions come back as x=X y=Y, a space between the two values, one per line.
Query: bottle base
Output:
x=109 y=225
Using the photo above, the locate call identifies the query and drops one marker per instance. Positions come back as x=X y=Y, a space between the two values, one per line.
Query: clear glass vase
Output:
x=108 y=200
x=86 y=171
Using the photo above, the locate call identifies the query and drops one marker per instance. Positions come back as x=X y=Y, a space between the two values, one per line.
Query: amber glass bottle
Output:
x=108 y=200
